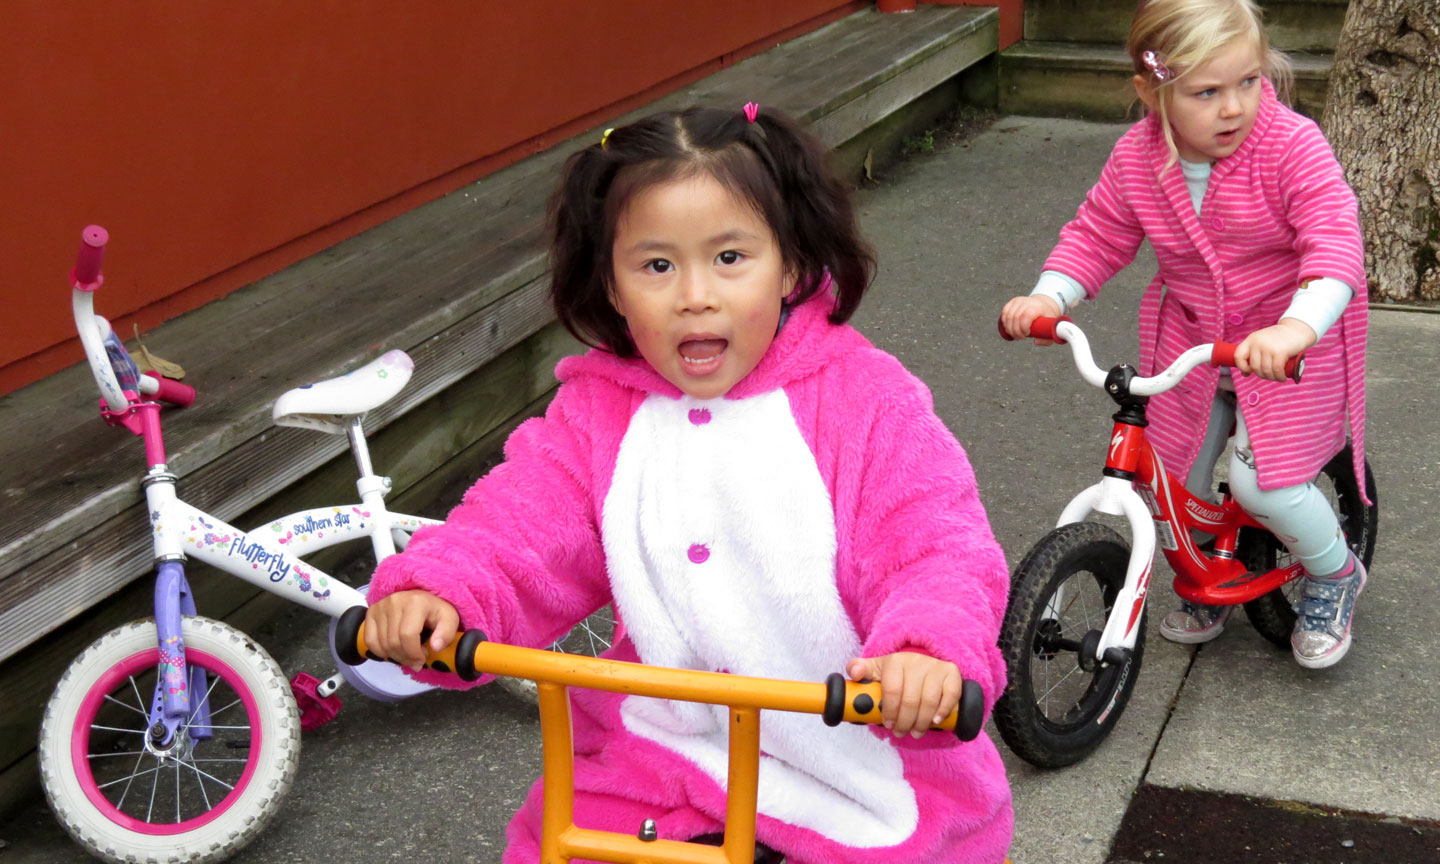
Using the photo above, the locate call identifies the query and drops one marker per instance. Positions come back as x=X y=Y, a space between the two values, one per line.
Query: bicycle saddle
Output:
x=330 y=405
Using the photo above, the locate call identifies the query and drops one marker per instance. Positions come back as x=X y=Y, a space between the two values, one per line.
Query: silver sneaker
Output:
x=1193 y=623
x=1326 y=609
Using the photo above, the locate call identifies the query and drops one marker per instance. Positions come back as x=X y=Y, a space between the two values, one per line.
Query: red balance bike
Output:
x=1074 y=631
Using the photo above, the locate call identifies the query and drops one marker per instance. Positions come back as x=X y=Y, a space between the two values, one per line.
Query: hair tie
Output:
x=751 y=111
x=1156 y=66
x=605 y=139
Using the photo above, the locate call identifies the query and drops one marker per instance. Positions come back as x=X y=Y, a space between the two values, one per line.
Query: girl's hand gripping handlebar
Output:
x=837 y=700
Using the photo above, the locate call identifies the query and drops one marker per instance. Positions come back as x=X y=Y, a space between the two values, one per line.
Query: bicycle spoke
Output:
x=126 y=790
x=1046 y=695
x=204 y=700
x=127 y=706
x=178 y=820
x=212 y=777
x=134 y=775
x=118 y=729
x=139 y=700
x=108 y=755
x=154 y=781
x=200 y=781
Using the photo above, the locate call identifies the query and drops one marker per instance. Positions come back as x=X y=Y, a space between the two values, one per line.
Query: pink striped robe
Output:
x=1277 y=212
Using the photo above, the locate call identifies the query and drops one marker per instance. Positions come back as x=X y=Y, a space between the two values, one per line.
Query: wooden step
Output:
x=1293 y=25
x=1092 y=82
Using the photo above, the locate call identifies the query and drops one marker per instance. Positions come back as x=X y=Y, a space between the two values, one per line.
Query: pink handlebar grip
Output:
x=171 y=391
x=86 y=275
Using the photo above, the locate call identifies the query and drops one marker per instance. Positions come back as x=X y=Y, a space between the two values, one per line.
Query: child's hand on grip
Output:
x=393 y=626
x=916 y=691
x=1021 y=312
x=1266 y=351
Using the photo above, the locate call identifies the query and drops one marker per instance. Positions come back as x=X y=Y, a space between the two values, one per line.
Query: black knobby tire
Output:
x=1088 y=559
x=1273 y=614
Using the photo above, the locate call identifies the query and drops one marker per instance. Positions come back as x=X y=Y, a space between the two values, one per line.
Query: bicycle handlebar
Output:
x=469 y=655
x=1065 y=331
x=114 y=370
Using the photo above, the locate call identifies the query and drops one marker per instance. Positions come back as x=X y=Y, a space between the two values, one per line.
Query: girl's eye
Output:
x=1248 y=82
x=1206 y=94
x=729 y=256
x=658 y=265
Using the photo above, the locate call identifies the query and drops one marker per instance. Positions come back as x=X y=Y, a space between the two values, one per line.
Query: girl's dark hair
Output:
x=773 y=164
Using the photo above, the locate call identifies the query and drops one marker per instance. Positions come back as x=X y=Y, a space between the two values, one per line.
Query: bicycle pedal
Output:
x=315 y=710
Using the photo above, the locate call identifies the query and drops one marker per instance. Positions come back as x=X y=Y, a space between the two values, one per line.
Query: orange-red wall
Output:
x=222 y=142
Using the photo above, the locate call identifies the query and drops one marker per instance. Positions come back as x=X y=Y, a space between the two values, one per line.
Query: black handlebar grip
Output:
x=465 y=654
x=972 y=711
x=347 y=635
x=834 y=710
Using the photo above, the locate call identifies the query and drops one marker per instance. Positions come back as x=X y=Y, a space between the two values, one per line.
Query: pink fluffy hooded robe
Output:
x=819 y=511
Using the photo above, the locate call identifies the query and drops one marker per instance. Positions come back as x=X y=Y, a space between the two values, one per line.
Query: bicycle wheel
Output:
x=1273 y=614
x=590 y=637
x=206 y=798
x=1054 y=711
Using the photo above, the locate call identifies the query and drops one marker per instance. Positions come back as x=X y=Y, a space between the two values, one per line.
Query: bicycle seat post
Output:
x=372 y=490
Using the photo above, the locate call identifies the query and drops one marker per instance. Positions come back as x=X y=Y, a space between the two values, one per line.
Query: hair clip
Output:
x=1156 y=66
x=605 y=139
x=752 y=111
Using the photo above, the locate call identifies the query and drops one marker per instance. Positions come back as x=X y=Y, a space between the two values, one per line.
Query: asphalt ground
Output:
x=1233 y=734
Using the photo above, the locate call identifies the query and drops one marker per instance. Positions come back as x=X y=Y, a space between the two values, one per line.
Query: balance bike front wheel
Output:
x=1059 y=703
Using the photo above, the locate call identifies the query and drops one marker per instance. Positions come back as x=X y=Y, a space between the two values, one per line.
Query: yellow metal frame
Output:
x=554 y=672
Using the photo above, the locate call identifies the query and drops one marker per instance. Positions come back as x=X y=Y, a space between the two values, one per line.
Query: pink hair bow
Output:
x=1156 y=66
x=751 y=111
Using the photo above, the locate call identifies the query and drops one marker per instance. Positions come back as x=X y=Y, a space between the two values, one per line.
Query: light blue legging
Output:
x=1299 y=515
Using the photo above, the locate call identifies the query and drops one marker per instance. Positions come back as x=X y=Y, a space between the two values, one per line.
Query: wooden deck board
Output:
x=455 y=282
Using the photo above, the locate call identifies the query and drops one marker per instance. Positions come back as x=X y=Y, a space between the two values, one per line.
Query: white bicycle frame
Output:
x=1118 y=497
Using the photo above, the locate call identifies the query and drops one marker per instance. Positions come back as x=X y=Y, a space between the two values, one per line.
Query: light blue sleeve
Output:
x=1060 y=288
x=1319 y=304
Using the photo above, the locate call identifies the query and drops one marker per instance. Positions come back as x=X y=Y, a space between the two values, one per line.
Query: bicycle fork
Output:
x=1117 y=497
x=178 y=685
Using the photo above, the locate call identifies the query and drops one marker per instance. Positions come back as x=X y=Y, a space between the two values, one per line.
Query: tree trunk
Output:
x=1383 y=119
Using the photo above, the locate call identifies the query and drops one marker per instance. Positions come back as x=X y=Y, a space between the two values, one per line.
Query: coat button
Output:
x=1236 y=318
x=699 y=416
x=1252 y=399
x=1217 y=223
x=699 y=553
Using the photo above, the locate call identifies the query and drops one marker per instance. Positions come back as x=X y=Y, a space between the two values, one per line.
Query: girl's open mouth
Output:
x=703 y=354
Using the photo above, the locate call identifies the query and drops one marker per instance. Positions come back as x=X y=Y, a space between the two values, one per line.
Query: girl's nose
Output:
x=696 y=291
x=1231 y=107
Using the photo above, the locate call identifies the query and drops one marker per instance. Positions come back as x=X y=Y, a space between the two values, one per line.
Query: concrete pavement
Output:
x=958 y=232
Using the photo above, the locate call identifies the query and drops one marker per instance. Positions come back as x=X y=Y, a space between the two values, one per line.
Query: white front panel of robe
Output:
x=720 y=541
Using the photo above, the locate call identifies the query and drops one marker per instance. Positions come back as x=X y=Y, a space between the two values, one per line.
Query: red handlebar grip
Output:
x=174 y=392
x=1041 y=328
x=1044 y=328
x=1223 y=354
x=87 y=262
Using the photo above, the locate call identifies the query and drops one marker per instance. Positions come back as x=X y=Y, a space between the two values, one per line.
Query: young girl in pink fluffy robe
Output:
x=1258 y=241
x=755 y=488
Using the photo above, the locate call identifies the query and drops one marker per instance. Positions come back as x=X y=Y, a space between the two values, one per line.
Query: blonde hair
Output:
x=1185 y=34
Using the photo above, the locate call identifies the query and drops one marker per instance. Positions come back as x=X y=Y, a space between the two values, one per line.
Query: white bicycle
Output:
x=176 y=738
